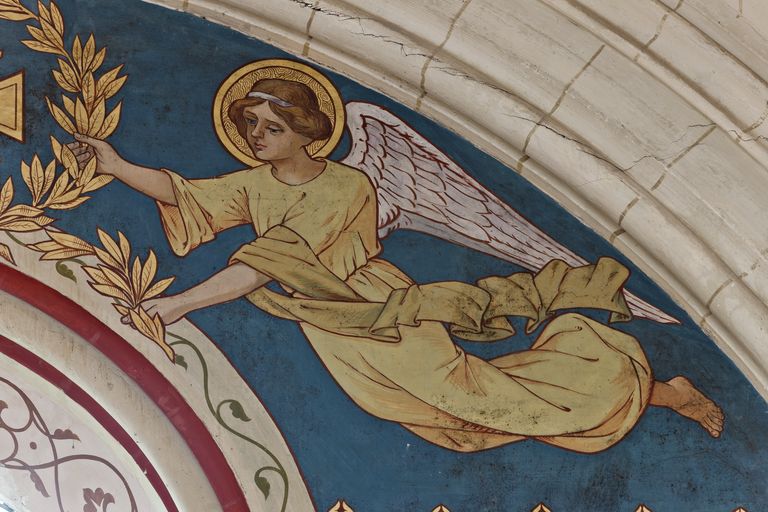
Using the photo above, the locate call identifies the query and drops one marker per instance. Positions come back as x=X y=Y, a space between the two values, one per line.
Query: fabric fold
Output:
x=473 y=312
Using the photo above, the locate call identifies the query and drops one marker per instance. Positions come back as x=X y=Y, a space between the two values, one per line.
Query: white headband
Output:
x=269 y=97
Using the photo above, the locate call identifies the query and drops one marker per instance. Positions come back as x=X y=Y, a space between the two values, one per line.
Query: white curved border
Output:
x=645 y=119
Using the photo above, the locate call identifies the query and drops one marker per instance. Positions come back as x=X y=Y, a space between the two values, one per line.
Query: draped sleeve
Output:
x=203 y=208
x=336 y=218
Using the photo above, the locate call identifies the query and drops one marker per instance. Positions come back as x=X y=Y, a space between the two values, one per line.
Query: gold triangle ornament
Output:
x=341 y=506
x=12 y=106
x=643 y=508
x=540 y=508
x=441 y=508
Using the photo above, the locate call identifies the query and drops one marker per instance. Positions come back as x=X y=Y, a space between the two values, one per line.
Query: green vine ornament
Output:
x=238 y=412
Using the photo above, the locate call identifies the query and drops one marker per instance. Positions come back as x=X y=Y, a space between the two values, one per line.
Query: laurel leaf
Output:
x=136 y=277
x=125 y=246
x=158 y=288
x=112 y=248
x=47 y=246
x=148 y=273
x=22 y=210
x=110 y=291
x=42 y=220
x=97 y=118
x=69 y=105
x=71 y=241
x=26 y=175
x=60 y=117
x=113 y=88
x=62 y=81
x=89 y=52
x=77 y=53
x=21 y=226
x=62 y=254
x=69 y=75
x=59 y=188
x=62 y=204
x=56 y=148
x=124 y=311
x=98 y=60
x=96 y=274
x=69 y=161
x=89 y=90
x=110 y=123
x=97 y=183
x=88 y=172
x=6 y=194
x=40 y=47
x=39 y=36
x=159 y=337
x=5 y=253
x=107 y=258
x=52 y=35
x=37 y=177
x=50 y=174
x=56 y=17
x=43 y=11
x=15 y=12
x=81 y=116
x=115 y=279
x=106 y=79
x=142 y=322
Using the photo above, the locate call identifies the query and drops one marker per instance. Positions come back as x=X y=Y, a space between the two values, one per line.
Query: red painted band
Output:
x=147 y=377
x=76 y=393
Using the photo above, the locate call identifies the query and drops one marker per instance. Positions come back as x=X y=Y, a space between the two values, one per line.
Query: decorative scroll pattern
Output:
x=28 y=438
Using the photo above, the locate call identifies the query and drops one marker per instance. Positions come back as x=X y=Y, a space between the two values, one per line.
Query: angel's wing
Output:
x=421 y=189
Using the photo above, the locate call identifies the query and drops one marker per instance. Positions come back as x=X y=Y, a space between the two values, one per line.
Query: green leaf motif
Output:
x=65 y=271
x=181 y=361
x=263 y=485
x=239 y=413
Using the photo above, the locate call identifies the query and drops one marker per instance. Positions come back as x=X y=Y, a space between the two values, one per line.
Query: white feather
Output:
x=420 y=188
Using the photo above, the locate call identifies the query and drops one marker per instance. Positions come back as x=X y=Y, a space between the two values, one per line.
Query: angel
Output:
x=387 y=341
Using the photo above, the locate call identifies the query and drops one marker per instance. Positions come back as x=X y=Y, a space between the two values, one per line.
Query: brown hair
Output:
x=304 y=117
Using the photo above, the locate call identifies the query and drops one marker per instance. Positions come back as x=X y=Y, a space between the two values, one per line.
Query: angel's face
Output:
x=269 y=137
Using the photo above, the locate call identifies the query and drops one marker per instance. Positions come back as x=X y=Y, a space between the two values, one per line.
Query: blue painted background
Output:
x=175 y=63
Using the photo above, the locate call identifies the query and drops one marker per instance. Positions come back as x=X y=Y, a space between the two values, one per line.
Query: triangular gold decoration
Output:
x=341 y=506
x=540 y=508
x=643 y=508
x=440 y=508
x=740 y=509
x=12 y=106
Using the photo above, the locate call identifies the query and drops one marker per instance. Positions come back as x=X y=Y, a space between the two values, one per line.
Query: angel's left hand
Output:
x=171 y=309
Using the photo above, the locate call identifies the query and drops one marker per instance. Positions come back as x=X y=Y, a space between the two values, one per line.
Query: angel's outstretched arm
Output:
x=229 y=284
x=152 y=182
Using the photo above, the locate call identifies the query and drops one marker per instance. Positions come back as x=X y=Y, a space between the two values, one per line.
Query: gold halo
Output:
x=239 y=83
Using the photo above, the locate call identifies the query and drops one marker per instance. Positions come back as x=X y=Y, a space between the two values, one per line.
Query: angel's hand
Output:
x=171 y=309
x=85 y=148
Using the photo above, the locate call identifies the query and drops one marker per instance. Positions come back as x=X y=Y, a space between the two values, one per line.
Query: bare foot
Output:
x=680 y=395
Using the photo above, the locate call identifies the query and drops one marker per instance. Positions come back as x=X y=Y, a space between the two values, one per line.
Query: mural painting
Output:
x=428 y=308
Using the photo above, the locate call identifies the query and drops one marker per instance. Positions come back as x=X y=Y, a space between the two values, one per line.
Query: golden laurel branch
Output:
x=85 y=111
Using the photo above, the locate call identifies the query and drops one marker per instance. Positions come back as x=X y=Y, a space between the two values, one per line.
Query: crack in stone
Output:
x=759 y=121
x=387 y=39
x=659 y=28
x=337 y=14
x=562 y=97
x=680 y=157
x=744 y=139
x=431 y=58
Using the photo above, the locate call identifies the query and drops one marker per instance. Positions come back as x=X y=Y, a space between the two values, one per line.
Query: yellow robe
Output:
x=581 y=386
